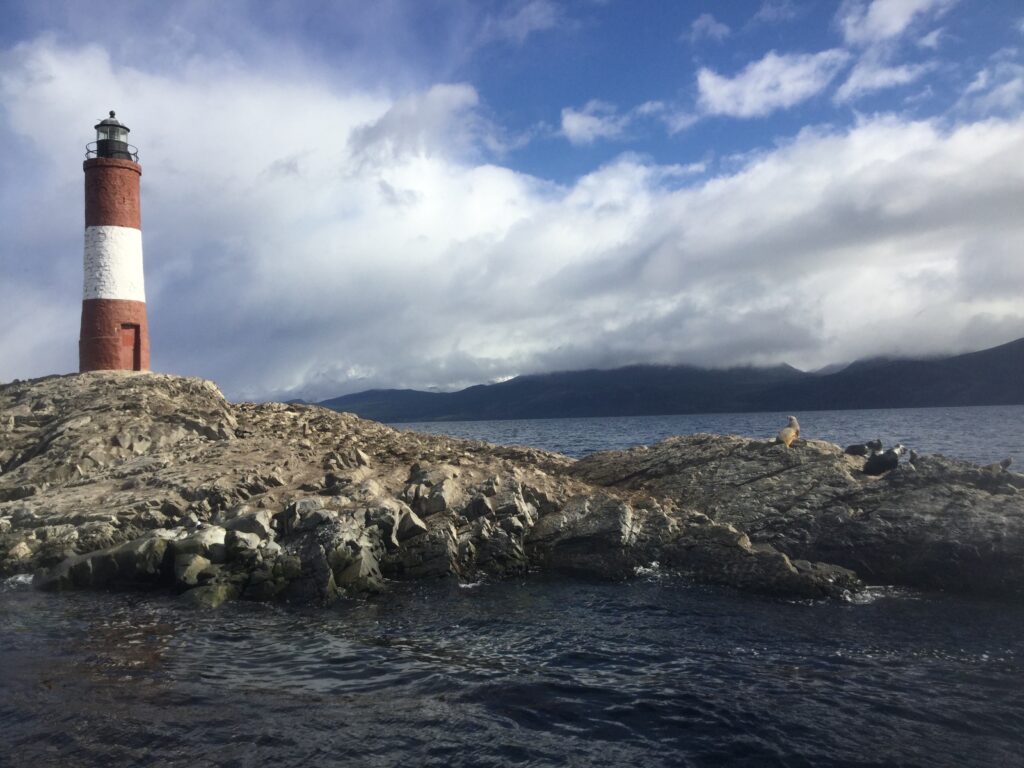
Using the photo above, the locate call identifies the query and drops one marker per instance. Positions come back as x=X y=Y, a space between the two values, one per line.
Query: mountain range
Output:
x=990 y=377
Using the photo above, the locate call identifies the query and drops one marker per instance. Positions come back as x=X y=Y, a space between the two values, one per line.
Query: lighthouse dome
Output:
x=112 y=140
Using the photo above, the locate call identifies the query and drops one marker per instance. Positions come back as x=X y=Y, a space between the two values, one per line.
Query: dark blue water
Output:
x=532 y=672
x=982 y=433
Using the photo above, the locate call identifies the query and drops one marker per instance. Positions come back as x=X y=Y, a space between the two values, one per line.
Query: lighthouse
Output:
x=114 y=335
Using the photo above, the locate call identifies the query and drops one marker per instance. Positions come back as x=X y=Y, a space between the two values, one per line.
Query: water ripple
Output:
x=534 y=672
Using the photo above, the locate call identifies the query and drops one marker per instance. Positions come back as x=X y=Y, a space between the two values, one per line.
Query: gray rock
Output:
x=20 y=551
x=794 y=522
x=289 y=519
x=938 y=523
x=241 y=545
x=588 y=536
x=258 y=523
x=433 y=554
x=409 y=525
x=190 y=570
x=442 y=497
x=207 y=541
x=339 y=553
x=209 y=596
x=143 y=561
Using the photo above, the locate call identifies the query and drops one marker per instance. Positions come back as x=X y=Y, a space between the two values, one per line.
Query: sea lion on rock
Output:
x=998 y=467
x=880 y=463
x=864 y=449
x=790 y=432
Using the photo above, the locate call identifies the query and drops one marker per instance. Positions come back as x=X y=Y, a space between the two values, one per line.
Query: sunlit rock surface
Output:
x=932 y=522
x=122 y=480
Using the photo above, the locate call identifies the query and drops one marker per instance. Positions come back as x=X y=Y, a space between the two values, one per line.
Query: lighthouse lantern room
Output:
x=112 y=140
x=114 y=333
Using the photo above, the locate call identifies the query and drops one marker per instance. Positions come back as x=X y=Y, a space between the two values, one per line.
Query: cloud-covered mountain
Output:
x=988 y=377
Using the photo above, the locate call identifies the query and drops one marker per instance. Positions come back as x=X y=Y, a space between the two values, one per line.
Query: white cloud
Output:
x=774 y=82
x=279 y=259
x=597 y=120
x=870 y=75
x=649 y=108
x=441 y=120
x=998 y=88
x=601 y=120
x=932 y=40
x=773 y=11
x=517 y=25
x=679 y=121
x=706 y=26
x=864 y=23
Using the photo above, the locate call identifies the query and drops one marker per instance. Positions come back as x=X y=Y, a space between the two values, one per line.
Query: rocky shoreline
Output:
x=121 y=480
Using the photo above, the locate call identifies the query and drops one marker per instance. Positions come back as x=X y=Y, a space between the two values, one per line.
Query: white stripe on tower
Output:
x=113 y=263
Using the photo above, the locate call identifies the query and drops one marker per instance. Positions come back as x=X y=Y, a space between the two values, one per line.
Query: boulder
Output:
x=209 y=596
x=591 y=536
x=190 y=570
x=258 y=522
x=291 y=516
x=241 y=545
x=207 y=541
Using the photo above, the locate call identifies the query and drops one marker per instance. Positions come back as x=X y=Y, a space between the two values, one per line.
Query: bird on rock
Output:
x=790 y=432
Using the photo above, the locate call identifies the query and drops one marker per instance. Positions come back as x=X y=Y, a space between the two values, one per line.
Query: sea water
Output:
x=528 y=672
x=982 y=434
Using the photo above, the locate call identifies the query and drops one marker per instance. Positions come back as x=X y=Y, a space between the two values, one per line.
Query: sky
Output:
x=339 y=196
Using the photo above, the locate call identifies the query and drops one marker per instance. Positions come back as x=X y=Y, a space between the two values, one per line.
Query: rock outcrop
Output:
x=121 y=480
x=932 y=522
x=115 y=480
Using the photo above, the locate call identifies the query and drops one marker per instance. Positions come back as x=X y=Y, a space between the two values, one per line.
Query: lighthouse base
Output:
x=114 y=336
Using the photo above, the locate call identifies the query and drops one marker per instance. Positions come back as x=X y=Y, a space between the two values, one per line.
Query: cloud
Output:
x=870 y=75
x=314 y=244
x=997 y=88
x=522 y=22
x=678 y=121
x=771 y=83
x=601 y=120
x=932 y=40
x=866 y=23
x=597 y=120
x=706 y=26
x=774 y=11
x=441 y=120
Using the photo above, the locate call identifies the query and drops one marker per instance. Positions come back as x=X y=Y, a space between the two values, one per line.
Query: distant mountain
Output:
x=830 y=368
x=990 y=377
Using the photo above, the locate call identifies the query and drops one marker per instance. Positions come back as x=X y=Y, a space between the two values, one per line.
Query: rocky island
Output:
x=126 y=480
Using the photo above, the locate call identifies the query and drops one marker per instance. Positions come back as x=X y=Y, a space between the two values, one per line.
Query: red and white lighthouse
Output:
x=114 y=335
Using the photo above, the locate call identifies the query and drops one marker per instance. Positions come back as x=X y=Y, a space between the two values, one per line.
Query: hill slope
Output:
x=632 y=391
x=989 y=377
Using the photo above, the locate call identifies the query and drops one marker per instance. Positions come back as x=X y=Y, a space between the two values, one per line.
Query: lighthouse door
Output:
x=131 y=353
